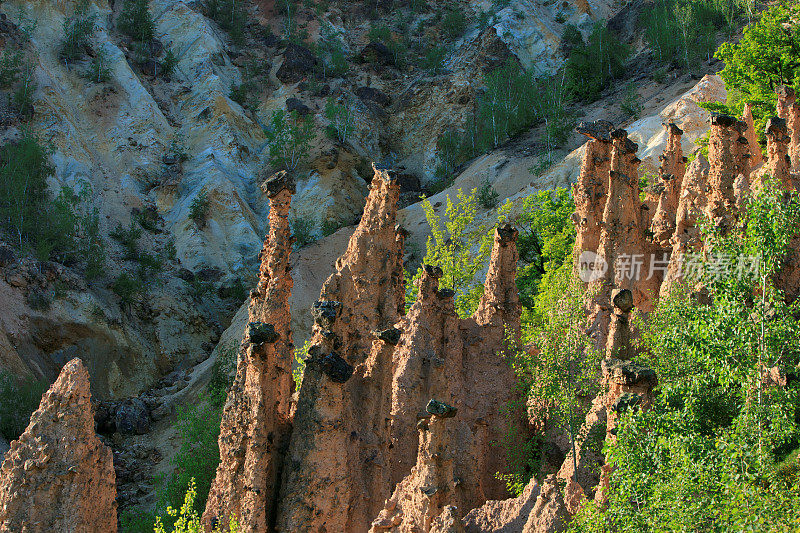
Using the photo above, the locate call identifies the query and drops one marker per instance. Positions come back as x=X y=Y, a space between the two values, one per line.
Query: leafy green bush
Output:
x=331 y=51
x=303 y=230
x=630 y=104
x=22 y=99
x=593 y=63
x=396 y=44
x=187 y=518
x=10 y=67
x=98 y=68
x=135 y=20
x=19 y=397
x=299 y=365
x=454 y=23
x=514 y=101
x=487 y=196
x=342 y=119
x=433 y=58
x=128 y=288
x=78 y=31
x=128 y=238
x=683 y=31
x=289 y=136
x=198 y=425
x=231 y=16
x=170 y=63
x=198 y=209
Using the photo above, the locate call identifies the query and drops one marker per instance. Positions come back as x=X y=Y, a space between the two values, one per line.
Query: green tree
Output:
x=458 y=246
x=767 y=56
x=187 y=518
x=135 y=20
x=546 y=238
x=289 y=136
x=341 y=117
x=593 y=63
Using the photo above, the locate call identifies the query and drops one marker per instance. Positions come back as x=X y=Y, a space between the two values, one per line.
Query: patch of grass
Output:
x=135 y=20
x=198 y=209
x=487 y=196
x=303 y=231
x=78 y=31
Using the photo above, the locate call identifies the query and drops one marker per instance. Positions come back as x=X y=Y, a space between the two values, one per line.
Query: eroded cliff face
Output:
x=58 y=476
x=256 y=420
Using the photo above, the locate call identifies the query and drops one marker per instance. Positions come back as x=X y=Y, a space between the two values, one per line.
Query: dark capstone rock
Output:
x=628 y=146
x=377 y=53
x=784 y=91
x=278 y=182
x=444 y=294
x=599 y=131
x=507 y=232
x=295 y=104
x=776 y=126
x=623 y=299
x=132 y=417
x=260 y=332
x=626 y=401
x=674 y=129
x=298 y=62
x=325 y=313
x=441 y=409
x=726 y=121
x=433 y=271
x=336 y=368
x=389 y=336
x=422 y=424
x=371 y=94
x=7 y=255
x=629 y=372
x=400 y=230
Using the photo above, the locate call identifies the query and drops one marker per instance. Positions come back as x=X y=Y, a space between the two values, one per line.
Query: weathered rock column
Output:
x=58 y=476
x=728 y=159
x=671 y=171
x=778 y=162
x=757 y=158
x=592 y=185
x=256 y=420
x=788 y=109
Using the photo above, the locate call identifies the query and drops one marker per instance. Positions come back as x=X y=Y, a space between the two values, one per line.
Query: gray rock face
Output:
x=132 y=417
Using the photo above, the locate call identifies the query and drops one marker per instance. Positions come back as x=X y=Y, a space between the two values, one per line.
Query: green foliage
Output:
x=135 y=20
x=331 y=50
x=433 y=58
x=98 y=68
x=454 y=23
x=128 y=238
x=10 y=67
x=289 y=136
x=50 y=228
x=170 y=63
x=19 y=397
x=299 y=366
x=683 y=31
x=187 y=518
x=395 y=44
x=303 y=230
x=458 y=246
x=765 y=58
x=630 y=104
x=593 y=63
x=563 y=371
x=342 y=119
x=78 y=31
x=22 y=99
x=329 y=227
x=711 y=453
x=128 y=288
x=545 y=241
x=197 y=459
x=487 y=196
x=198 y=209
x=514 y=101
x=231 y=16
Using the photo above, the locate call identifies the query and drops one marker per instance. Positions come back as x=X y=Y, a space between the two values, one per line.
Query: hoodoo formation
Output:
x=58 y=476
x=256 y=420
